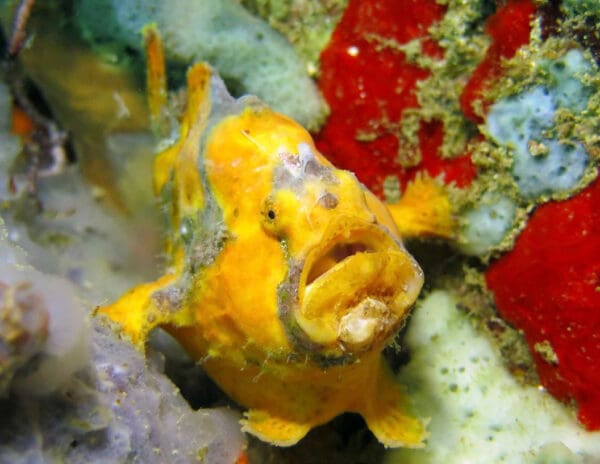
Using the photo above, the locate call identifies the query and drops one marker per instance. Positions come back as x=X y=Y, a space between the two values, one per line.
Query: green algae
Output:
x=460 y=35
x=545 y=350
x=391 y=189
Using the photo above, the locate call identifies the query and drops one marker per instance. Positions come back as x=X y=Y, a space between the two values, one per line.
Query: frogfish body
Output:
x=286 y=276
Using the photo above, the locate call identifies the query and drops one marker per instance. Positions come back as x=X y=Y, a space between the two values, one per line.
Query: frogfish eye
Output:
x=269 y=209
x=270 y=217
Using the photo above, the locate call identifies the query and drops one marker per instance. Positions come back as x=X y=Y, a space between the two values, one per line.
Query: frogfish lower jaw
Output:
x=356 y=287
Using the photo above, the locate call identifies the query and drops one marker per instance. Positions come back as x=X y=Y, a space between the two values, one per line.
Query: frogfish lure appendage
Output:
x=286 y=276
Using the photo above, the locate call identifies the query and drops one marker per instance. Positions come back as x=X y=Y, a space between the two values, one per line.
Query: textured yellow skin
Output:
x=290 y=314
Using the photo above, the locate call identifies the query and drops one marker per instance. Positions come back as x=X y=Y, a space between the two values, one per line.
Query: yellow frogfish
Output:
x=286 y=278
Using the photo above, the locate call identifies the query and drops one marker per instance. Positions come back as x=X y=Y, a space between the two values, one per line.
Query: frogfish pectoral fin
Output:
x=387 y=416
x=424 y=210
x=276 y=430
x=142 y=309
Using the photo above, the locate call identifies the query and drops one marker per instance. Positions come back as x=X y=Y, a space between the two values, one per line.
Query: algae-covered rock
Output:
x=250 y=56
x=543 y=165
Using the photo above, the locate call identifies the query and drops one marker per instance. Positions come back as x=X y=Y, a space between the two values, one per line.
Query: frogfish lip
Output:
x=356 y=286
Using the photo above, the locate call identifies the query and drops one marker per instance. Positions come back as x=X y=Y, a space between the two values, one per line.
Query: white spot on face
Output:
x=291 y=162
x=306 y=155
x=296 y=165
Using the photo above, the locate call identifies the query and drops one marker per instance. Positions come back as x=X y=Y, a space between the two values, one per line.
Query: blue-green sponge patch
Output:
x=485 y=225
x=542 y=165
